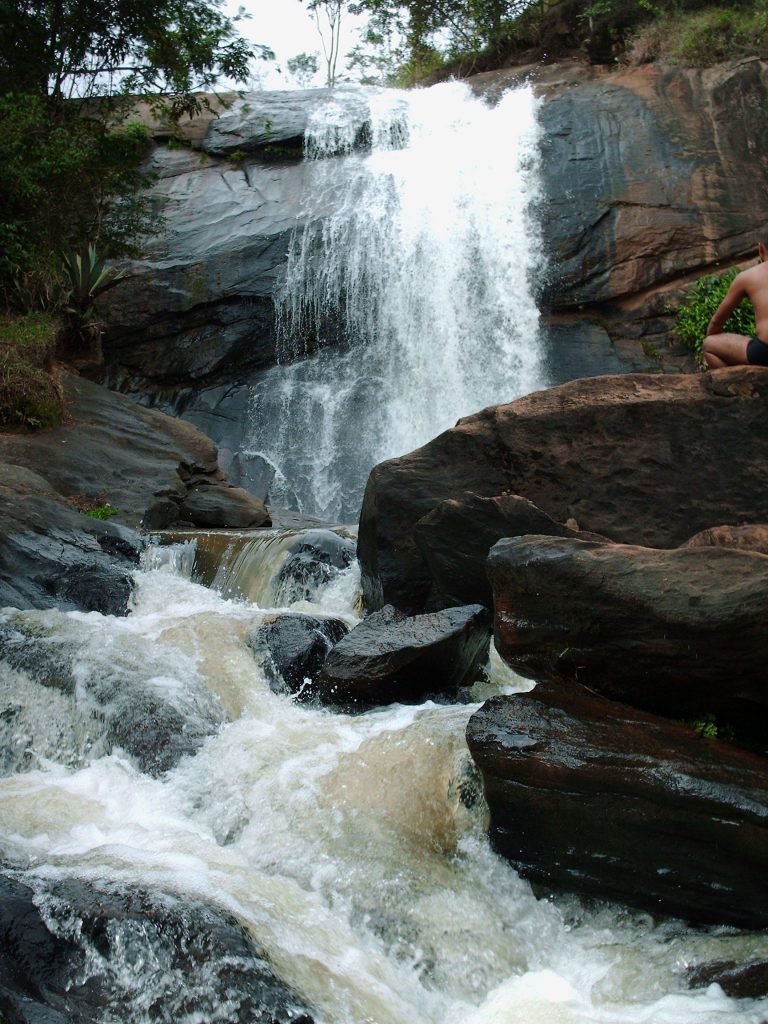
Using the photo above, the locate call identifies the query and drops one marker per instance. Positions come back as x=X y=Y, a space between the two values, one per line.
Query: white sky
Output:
x=288 y=28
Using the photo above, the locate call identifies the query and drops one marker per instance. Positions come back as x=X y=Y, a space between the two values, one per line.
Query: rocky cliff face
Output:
x=652 y=175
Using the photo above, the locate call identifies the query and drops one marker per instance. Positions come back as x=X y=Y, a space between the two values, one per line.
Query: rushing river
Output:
x=345 y=844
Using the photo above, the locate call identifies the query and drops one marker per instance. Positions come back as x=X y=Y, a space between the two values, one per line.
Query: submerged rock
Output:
x=594 y=797
x=390 y=658
x=74 y=951
x=317 y=557
x=108 y=699
x=740 y=981
x=639 y=459
x=296 y=647
x=678 y=632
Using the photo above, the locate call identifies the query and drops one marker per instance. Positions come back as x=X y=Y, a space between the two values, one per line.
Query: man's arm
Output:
x=733 y=297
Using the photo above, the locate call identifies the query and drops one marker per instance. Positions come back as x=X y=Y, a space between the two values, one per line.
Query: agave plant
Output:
x=88 y=277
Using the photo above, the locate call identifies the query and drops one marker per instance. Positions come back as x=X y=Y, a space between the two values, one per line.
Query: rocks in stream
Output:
x=316 y=558
x=593 y=796
x=678 y=632
x=296 y=647
x=640 y=459
x=77 y=952
x=738 y=980
x=68 y=696
x=390 y=657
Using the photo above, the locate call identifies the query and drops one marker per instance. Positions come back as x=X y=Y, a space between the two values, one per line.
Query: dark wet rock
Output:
x=591 y=796
x=72 y=951
x=390 y=657
x=679 y=632
x=639 y=459
x=109 y=451
x=454 y=540
x=312 y=562
x=98 y=588
x=738 y=980
x=217 y=506
x=296 y=647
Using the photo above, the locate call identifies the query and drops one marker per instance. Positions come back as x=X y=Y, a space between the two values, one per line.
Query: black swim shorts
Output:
x=757 y=352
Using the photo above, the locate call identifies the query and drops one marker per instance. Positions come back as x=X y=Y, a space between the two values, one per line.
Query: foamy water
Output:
x=353 y=847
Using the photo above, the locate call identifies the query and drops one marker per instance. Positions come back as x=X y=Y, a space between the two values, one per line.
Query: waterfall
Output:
x=407 y=300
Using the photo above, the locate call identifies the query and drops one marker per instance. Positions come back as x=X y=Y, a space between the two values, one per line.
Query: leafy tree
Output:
x=71 y=164
x=303 y=68
x=65 y=49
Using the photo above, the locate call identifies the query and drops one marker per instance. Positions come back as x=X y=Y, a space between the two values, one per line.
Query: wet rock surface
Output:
x=454 y=540
x=296 y=647
x=678 y=632
x=588 y=454
x=741 y=981
x=317 y=557
x=108 y=451
x=391 y=658
x=598 y=798
x=72 y=951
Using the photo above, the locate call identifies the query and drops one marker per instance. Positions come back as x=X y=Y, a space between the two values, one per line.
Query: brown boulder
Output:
x=644 y=459
x=108 y=451
x=595 y=797
x=679 y=632
x=454 y=540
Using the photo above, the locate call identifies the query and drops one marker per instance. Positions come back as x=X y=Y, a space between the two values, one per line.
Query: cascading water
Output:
x=408 y=291
x=351 y=848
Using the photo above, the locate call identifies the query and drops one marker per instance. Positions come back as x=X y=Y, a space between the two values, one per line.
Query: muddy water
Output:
x=353 y=847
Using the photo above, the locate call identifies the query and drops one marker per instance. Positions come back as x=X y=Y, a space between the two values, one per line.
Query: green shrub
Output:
x=704 y=37
x=105 y=511
x=30 y=396
x=703 y=299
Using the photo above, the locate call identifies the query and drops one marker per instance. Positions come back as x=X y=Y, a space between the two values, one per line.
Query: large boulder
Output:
x=97 y=953
x=679 y=632
x=456 y=536
x=108 y=451
x=641 y=459
x=595 y=797
x=390 y=658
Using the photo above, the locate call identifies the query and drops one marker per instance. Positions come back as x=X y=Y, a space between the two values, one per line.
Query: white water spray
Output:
x=409 y=288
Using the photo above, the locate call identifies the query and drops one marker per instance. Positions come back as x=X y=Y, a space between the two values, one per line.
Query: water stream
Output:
x=410 y=285
x=352 y=847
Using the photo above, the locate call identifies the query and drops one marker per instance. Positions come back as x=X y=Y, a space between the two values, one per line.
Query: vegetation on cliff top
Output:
x=418 y=39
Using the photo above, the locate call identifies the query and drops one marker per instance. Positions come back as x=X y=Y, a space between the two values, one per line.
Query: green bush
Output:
x=704 y=37
x=703 y=299
x=30 y=396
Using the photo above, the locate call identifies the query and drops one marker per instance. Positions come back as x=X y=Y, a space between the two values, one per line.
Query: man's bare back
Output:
x=723 y=349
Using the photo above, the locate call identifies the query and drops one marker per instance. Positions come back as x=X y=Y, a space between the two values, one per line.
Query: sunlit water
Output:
x=416 y=264
x=353 y=847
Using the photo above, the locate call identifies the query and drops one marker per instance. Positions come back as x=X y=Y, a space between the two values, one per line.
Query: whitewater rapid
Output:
x=352 y=847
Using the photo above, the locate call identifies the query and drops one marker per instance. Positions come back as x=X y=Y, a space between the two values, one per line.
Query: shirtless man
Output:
x=736 y=349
